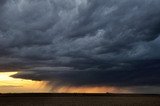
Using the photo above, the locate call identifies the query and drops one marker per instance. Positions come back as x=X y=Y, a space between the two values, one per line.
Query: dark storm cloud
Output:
x=136 y=73
x=2 y=2
x=82 y=42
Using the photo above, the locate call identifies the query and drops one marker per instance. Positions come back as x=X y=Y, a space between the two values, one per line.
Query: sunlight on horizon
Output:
x=17 y=85
x=9 y=84
x=92 y=89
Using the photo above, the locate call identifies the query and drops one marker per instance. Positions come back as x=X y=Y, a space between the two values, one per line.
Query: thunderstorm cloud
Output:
x=82 y=42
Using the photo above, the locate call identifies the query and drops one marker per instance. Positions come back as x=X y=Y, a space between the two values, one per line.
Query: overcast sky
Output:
x=82 y=42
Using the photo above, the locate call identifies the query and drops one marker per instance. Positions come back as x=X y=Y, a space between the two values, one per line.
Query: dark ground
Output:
x=76 y=99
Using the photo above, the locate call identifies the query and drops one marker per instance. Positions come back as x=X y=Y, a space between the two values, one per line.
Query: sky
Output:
x=80 y=45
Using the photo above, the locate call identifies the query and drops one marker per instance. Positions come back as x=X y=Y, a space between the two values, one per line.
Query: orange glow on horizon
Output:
x=17 y=85
x=91 y=89
x=85 y=89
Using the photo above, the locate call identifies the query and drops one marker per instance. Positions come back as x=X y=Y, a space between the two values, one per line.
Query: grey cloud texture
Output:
x=82 y=42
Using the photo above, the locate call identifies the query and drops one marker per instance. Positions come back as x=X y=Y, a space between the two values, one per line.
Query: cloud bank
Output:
x=82 y=42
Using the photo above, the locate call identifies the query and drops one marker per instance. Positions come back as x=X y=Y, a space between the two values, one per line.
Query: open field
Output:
x=79 y=100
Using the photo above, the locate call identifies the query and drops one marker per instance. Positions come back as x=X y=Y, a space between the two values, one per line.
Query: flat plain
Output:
x=79 y=100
